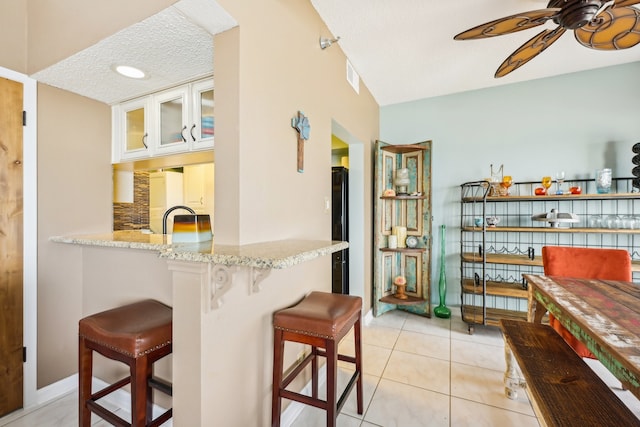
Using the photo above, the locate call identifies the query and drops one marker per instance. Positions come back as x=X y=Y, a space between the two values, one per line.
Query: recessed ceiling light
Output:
x=129 y=71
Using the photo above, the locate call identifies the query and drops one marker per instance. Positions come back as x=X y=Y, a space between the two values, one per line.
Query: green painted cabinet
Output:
x=402 y=210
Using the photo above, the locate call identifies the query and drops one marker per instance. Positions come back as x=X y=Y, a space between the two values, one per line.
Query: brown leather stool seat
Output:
x=320 y=320
x=138 y=335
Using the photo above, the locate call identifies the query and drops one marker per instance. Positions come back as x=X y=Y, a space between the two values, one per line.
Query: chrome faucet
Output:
x=171 y=209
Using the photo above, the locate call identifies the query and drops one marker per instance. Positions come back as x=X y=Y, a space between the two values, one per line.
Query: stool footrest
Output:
x=291 y=376
x=303 y=398
x=349 y=359
x=342 y=357
x=161 y=385
x=161 y=419
x=107 y=415
x=322 y=404
x=111 y=388
x=347 y=390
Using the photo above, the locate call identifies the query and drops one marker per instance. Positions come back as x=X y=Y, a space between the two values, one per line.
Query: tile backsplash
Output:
x=134 y=216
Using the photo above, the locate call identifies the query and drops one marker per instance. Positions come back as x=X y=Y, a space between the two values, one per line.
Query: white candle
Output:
x=401 y=234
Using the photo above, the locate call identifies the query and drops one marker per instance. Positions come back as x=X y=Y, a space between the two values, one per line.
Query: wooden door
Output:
x=11 y=244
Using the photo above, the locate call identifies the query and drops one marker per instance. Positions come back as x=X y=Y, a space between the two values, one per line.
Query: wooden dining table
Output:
x=603 y=314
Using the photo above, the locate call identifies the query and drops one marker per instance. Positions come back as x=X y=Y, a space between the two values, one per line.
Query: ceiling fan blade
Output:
x=529 y=50
x=613 y=29
x=509 y=24
x=622 y=3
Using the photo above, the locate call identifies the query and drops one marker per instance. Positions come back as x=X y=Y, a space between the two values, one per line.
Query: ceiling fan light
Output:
x=129 y=71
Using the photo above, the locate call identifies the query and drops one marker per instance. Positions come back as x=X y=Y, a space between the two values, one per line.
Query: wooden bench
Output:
x=563 y=389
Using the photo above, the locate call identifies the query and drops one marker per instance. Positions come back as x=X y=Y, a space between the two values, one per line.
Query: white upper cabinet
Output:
x=202 y=122
x=130 y=133
x=171 y=121
x=177 y=120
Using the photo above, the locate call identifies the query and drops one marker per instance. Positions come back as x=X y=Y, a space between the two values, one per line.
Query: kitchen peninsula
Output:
x=223 y=297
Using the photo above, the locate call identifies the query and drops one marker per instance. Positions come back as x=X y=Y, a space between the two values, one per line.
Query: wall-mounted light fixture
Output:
x=325 y=43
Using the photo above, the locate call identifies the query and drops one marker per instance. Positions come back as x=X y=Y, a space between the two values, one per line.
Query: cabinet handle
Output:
x=193 y=138
x=144 y=140
x=182 y=133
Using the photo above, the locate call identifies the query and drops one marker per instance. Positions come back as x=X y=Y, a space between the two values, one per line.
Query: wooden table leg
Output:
x=512 y=380
x=536 y=310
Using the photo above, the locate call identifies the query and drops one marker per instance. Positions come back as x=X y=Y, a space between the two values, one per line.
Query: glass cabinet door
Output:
x=131 y=125
x=171 y=110
x=203 y=126
x=206 y=114
x=135 y=129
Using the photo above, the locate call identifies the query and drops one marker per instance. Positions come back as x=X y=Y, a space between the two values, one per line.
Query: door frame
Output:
x=30 y=232
x=356 y=209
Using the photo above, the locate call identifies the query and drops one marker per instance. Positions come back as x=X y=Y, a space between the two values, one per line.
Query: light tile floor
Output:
x=60 y=412
x=421 y=372
x=418 y=372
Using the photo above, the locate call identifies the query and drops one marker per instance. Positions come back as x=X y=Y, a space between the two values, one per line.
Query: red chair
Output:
x=584 y=263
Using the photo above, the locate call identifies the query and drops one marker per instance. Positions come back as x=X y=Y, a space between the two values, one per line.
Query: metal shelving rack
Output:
x=493 y=259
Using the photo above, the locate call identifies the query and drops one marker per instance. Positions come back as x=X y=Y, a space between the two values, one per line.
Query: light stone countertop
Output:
x=275 y=254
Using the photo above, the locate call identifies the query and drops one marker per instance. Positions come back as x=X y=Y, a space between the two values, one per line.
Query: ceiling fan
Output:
x=603 y=25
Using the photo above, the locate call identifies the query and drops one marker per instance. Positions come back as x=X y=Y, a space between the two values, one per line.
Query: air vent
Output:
x=353 y=78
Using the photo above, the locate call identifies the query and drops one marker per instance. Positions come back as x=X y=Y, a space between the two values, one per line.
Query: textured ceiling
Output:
x=404 y=49
x=172 y=47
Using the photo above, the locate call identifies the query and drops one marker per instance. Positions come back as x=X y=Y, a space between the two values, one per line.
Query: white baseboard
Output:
x=56 y=390
x=367 y=318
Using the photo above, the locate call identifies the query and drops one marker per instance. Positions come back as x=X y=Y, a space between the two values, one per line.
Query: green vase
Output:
x=441 y=310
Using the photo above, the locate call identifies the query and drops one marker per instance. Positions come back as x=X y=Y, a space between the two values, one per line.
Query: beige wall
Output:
x=260 y=196
x=276 y=79
x=74 y=196
x=290 y=72
x=13 y=35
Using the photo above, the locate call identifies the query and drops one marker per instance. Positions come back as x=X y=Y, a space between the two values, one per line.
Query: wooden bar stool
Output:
x=320 y=320
x=138 y=335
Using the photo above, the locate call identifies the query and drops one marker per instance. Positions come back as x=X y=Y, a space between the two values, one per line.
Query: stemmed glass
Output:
x=546 y=183
x=559 y=181
x=506 y=183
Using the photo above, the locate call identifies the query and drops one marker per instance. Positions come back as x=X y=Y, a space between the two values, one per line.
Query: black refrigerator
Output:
x=340 y=228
